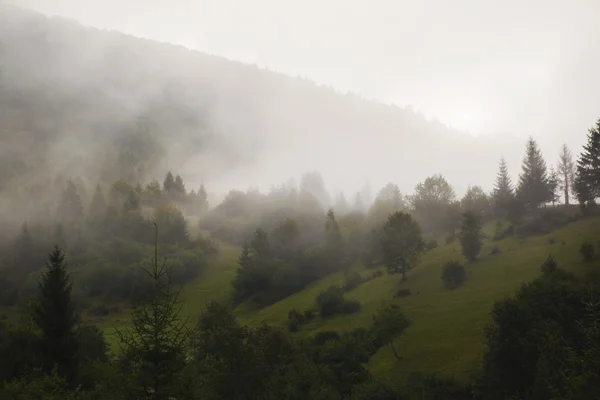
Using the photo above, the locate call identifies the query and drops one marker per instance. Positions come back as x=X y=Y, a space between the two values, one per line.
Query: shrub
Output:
x=350 y=307
x=587 y=251
x=326 y=336
x=352 y=280
x=100 y=310
x=402 y=293
x=330 y=301
x=495 y=251
x=431 y=244
x=549 y=265
x=453 y=274
x=295 y=319
x=551 y=240
x=451 y=238
x=308 y=315
x=376 y=274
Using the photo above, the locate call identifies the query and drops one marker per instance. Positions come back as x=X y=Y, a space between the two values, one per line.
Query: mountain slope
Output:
x=217 y=121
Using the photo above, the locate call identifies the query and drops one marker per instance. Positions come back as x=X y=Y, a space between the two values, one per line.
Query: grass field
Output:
x=446 y=335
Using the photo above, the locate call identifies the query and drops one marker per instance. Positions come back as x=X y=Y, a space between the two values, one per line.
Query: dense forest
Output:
x=100 y=219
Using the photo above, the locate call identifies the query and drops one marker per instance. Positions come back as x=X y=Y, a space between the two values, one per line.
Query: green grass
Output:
x=446 y=335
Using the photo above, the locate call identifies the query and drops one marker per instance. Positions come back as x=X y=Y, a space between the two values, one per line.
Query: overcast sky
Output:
x=485 y=66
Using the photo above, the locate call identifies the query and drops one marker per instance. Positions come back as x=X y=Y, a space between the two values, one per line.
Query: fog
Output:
x=485 y=74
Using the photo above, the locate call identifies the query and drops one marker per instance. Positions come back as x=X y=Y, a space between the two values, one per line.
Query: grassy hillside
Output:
x=446 y=335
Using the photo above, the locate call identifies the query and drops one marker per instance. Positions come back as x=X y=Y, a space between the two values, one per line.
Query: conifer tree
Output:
x=503 y=193
x=334 y=242
x=169 y=182
x=587 y=182
x=566 y=173
x=156 y=343
x=54 y=315
x=533 y=183
x=70 y=208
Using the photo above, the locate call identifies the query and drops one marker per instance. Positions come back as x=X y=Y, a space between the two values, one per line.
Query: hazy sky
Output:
x=486 y=66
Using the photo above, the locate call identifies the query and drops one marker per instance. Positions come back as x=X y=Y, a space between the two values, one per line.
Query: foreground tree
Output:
x=471 y=236
x=55 y=317
x=389 y=323
x=533 y=181
x=155 y=345
x=402 y=243
x=587 y=182
x=566 y=172
x=503 y=193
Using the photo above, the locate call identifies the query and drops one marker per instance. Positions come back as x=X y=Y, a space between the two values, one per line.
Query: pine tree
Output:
x=471 y=236
x=98 y=204
x=566 y=172
x=54 y=315
x=169 y=182
x=156 y=343
x=587 y=181
x=23 y=250
x=335 y=246
x=533 y=183
x=503 y=193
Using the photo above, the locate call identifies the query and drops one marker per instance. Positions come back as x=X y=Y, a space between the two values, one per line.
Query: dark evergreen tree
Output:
x=132 y=203
x=169 y=182
x=97 y=207
x=533 y=183
x=402 y=243
x=566 y=173
x=155 y=344
x=335 y=246
x=503 y=193
x=587 y=182
x=54 y=314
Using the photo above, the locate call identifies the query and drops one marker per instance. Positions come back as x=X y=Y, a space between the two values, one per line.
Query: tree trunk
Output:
x=394 y=350
x=567 y=195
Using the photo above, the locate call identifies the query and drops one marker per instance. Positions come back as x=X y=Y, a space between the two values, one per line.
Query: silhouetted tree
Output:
x=566 y=172
x=54 y=315
x=155 y=345
x=476 y=201
x=335 y=246
x=402 y=243
x=70 y=209
x=24 y=254
x=587 y=182
x=533 y=181
x=503 y=193
x=431 y=201
x=553 y=186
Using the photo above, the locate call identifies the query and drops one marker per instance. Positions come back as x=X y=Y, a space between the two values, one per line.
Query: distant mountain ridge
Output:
x=217 y=121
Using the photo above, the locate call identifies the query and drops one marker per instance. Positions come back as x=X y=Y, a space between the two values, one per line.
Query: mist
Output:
x=385 y=94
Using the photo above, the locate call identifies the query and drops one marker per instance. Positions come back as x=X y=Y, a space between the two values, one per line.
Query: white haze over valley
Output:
x=501 y=71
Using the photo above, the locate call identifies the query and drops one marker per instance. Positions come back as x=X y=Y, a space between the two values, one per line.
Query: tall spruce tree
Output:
x=54 y=314
x=553 y=186
x=587 y=181
x=156 y=343
x=566 y=172
x=533 y=183
x=504 y=192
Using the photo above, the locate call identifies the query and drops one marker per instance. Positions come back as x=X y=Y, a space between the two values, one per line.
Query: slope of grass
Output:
x=447 y=331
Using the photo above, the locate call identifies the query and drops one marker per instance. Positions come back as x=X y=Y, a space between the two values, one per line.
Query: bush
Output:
x=330 y=301
x=326 y=336
x=350 y=307
x=295 y=319
x=453 y=274
x=308 y=315
x=352 y=280
x=402 y=293
x=549 y=265
x=100 y=310
x=376 y=274
x=495 y=251
x=431 y=244
x=587 y=251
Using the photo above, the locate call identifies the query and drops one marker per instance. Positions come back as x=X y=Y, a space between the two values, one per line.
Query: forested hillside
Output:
x=98 y=105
